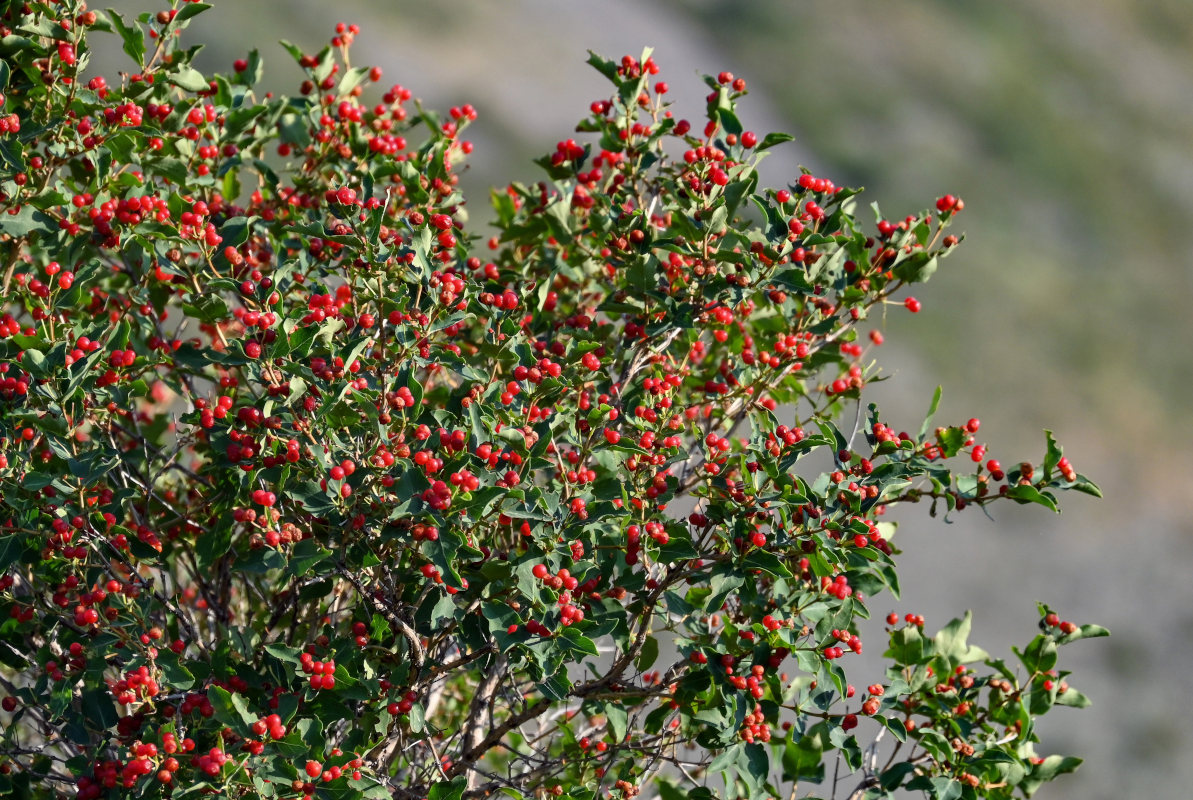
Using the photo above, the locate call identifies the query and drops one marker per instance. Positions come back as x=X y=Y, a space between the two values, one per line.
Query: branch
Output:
x=495 y=736
x=482 y=704
x=418 y=655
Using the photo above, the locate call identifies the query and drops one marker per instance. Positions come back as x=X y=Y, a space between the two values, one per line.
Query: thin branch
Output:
x=418 y=655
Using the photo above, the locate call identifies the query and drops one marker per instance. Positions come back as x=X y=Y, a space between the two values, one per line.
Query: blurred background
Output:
x=1067 y=128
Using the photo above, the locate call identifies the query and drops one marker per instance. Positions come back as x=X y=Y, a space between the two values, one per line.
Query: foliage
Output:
x=310 y=490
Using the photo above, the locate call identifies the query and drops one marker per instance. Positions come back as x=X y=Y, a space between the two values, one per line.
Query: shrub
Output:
x=311 y=487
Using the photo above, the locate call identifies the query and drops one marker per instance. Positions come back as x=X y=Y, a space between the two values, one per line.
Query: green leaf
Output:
x=35 y=362
x=895 y=726
x=931 y=413
x=618 y=721
x=235 y=231
x=952 y=440
x=556 y=686
x=848 y=746
x=648 y=655
x=207 y=307
x=176 y=676
x=951 y=642
x=1040 y=655
x=1084 y=632
x=803 y=756
x=256 y=68
x=284 y=653
x=722 y=585
x=231 y=709
x=189 y=78
x=11 y=547
x=99 y=710
x=189 y=10
x=121 y=335
x=448 y=791
x=444 y=554
x=767 y=562
x=1085 y=485
x=1050 y=768
x=311 y=731
x=727 y=758
x=718 y=219
x=27 y=220
x=917 y=267
x=418 y=718
x=213 y=545
x=294 y=50
x=892 y=778
x=444 y=610
x=93 y=465
x=669 y=791
x=678 y=548
x=946 y=789
x=576 y=642
x=605 y=67
x=292 y=747
x=935 y=743
x=305 y=555
x=382 y=791
x=908 y=647
x=1052 y=455
x=352 y=78
x=729 y=120
x=833 y=434
x=1025 y=494
x=132 y=35
x=265 y=788
x=754 y=768
x=772 y=139
x=1073 y=699
x=172 y=169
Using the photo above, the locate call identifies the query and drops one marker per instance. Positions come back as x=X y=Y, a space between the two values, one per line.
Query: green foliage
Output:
x=311 y=490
